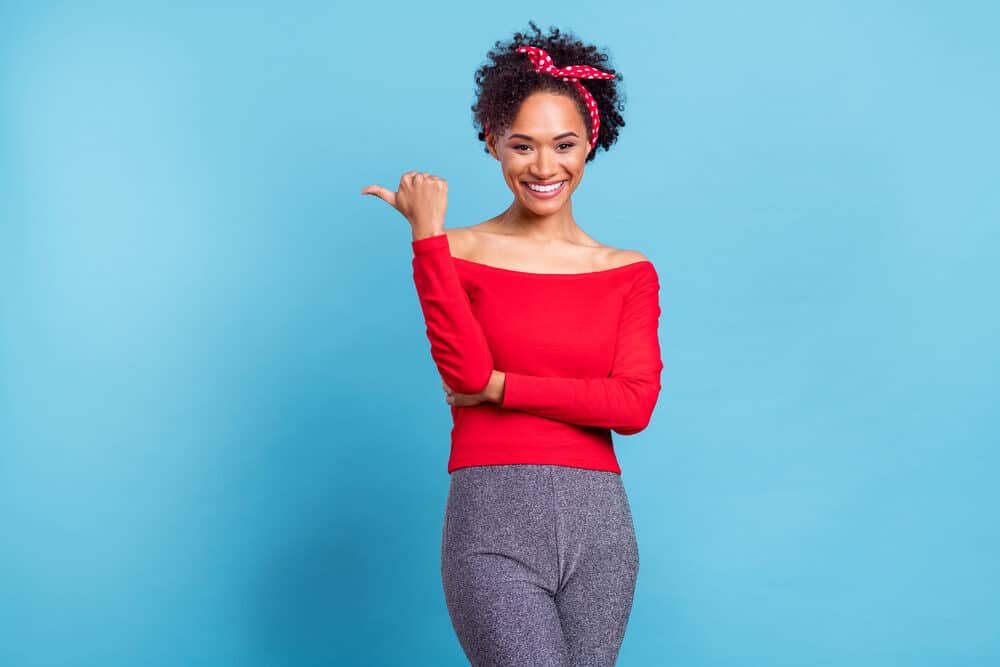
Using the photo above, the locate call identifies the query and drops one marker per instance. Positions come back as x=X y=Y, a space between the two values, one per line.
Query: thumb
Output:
x=382 y=193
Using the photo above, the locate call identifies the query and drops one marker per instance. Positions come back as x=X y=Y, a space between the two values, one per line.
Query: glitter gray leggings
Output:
x=539 y=564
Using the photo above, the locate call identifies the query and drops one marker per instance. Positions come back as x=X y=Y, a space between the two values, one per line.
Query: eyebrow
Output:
x=560 y=136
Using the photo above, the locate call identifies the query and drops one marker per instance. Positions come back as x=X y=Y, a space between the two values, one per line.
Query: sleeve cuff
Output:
x=507 y=400
x=430 y=244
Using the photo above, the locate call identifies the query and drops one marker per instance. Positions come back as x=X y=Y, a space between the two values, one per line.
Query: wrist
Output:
x=426 y=231
x=494 y=390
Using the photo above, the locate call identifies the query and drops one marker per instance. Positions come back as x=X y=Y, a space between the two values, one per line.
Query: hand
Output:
x=493 y=392
x=462 y=400
x=422 y=199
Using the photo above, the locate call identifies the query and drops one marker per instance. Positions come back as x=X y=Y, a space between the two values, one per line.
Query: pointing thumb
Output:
x=382 y=193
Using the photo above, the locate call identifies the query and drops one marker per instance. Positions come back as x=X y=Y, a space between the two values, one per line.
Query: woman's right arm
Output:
x=458 y=344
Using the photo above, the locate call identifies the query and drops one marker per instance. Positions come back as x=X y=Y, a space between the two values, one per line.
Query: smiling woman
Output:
x=546 y=342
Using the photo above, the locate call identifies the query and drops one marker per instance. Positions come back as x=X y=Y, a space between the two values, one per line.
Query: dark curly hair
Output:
x=503 y=84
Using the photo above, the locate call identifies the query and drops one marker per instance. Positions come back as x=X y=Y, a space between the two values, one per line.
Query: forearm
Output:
x=622 y=404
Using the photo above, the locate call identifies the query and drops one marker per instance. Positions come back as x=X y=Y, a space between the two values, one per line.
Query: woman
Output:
x=546 y=341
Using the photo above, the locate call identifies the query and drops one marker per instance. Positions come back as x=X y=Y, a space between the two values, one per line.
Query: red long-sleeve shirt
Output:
x=580 y=351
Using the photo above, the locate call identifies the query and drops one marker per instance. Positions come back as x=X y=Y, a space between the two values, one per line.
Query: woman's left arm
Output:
x=622 y=402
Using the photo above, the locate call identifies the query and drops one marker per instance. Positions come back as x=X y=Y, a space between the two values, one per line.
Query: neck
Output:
x=522 y=221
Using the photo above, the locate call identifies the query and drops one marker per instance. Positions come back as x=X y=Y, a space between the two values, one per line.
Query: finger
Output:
x=411 y=176
x=382 y=193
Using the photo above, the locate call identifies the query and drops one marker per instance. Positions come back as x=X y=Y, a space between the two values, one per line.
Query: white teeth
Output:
x=545 y=188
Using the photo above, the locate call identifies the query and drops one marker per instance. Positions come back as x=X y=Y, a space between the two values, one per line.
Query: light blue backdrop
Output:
x=222 y=437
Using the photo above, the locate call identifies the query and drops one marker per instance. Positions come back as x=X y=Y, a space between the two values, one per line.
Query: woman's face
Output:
x=546 y=144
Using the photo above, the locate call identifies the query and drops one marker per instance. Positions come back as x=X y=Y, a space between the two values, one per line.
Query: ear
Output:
x=491 y=146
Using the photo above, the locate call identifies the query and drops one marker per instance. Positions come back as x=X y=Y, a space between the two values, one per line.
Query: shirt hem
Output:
x=455 y=465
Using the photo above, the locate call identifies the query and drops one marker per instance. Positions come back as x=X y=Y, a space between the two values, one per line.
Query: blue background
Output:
x=223 y=439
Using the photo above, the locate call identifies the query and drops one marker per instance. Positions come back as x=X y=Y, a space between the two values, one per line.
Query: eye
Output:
x=518 y=146
x=570 y=144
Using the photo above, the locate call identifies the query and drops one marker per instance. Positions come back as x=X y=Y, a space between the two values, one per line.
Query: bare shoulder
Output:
x=630 y=256
x=463 y=241
x=621 y=257
x=456 y=236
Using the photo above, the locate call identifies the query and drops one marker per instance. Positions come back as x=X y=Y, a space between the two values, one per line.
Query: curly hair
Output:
x=503 y=84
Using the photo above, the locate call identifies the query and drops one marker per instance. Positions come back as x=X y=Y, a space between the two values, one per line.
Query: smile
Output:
x=546 y=191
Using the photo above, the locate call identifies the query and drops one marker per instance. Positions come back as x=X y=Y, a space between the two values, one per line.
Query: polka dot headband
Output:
x=543 y=63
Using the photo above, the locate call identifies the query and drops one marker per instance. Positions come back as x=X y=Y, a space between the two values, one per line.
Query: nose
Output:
x=544 y=164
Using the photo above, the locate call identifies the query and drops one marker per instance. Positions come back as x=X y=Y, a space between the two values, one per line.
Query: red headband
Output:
x=543 y=63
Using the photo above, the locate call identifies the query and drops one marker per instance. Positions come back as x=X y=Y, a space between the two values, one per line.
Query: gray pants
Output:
x=539 y=564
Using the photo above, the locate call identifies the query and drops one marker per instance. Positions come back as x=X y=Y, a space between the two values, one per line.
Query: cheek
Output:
x=512 y=172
